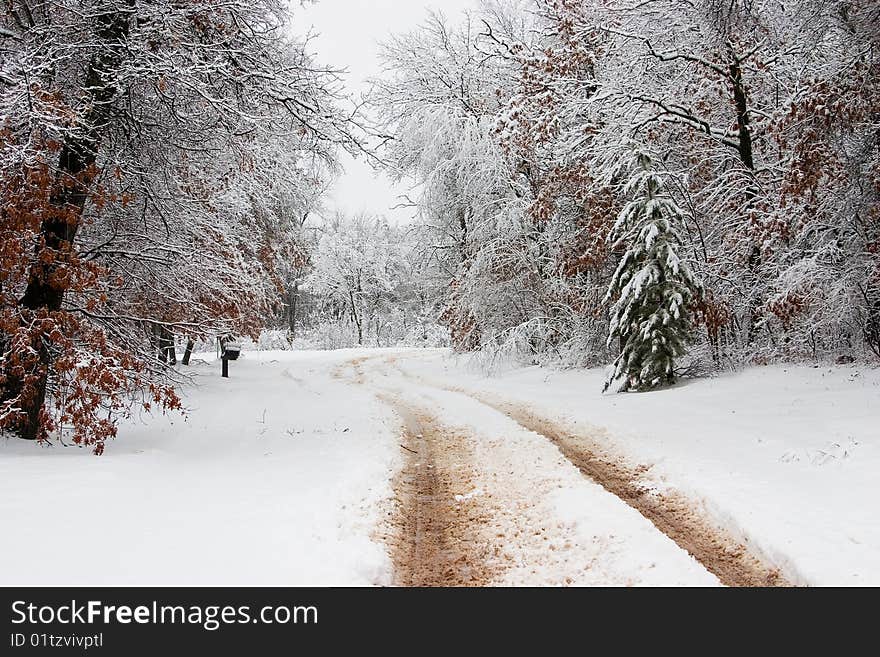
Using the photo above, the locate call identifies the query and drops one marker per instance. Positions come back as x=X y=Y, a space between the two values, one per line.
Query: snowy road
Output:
x=405 y=467
x=491 y=494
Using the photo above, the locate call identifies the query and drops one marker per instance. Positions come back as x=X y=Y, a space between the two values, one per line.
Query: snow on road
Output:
x=543 y=522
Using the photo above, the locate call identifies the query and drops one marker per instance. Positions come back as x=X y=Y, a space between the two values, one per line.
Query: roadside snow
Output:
x=278 y=476
x=786 y=457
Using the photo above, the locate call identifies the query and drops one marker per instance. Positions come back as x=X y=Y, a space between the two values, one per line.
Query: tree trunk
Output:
x=294 y=297
x=740 y=99
x=187 y=353
x=357 y=319
x=167 y=353
x=872 y=323
x=747 y=157
x=76 y=171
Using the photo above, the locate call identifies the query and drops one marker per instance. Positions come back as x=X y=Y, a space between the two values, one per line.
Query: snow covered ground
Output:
x=284 y=474
x=278 y=476
x=786 y=457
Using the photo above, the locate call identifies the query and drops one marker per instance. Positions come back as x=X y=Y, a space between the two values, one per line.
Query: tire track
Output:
x=437 y=539
x=671 y=513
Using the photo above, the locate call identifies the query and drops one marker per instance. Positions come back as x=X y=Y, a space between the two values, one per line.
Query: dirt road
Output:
x=481 y=483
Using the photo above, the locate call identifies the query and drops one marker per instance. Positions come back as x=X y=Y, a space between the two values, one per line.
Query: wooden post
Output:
x=225 y=367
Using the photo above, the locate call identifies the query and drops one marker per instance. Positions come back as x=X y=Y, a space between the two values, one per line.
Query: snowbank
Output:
x=277 y=476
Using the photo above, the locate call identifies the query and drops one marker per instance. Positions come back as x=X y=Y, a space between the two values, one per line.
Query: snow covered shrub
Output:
x=518 y=345
x=654 y=290
x=269 y=340
x=425 y=334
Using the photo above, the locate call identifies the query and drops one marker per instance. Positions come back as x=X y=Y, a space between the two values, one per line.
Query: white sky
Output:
x=348 y=34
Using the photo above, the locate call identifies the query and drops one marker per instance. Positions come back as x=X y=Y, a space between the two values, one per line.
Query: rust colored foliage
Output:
x=590 y=206
x=91 y=380
x=714 y=314
x=564 y=194
x=463 y=330
x=788 y=308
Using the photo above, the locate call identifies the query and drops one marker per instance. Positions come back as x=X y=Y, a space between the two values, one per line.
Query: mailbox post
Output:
x=229 y=350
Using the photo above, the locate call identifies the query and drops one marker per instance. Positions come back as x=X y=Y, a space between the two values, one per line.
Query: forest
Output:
x=668 y=187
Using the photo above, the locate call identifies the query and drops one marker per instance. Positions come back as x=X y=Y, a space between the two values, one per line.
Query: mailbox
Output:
x=231 y=350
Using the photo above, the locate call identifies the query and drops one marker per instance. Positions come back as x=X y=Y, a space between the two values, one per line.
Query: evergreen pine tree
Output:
x=653 y=288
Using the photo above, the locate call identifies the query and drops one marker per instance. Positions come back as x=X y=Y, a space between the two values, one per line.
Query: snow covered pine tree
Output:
x=652 y=286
